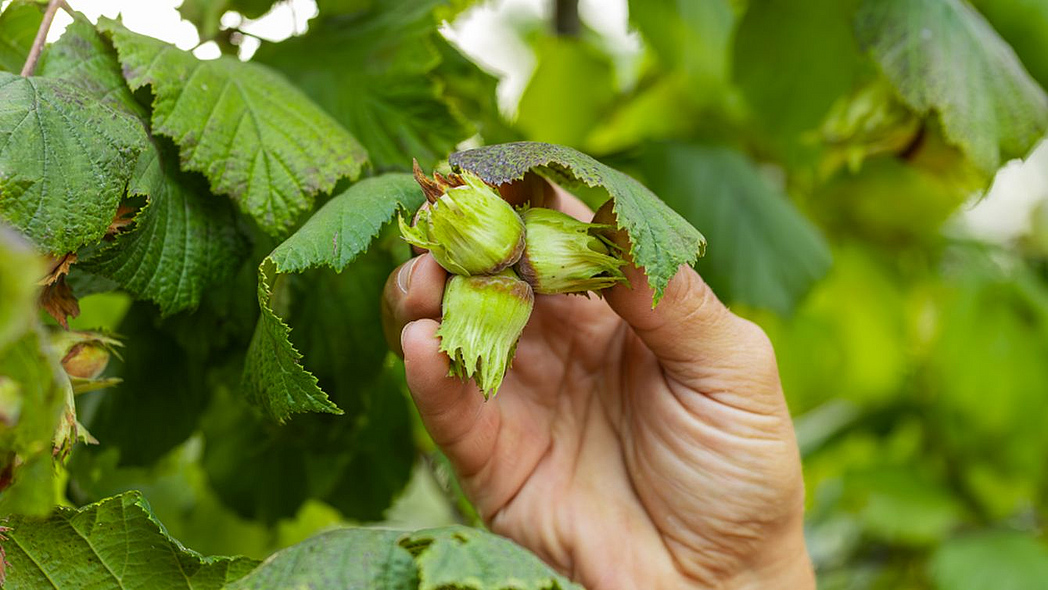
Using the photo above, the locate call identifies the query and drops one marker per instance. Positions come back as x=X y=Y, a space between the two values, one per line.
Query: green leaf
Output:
x=661 y=239
x=65 y=161
x=826 y=351
x=461 y=557
x=357 y=463
x=471 y=91
x=1001 y=560
x=383 y=448
x=31 y=394
x=265 y=472
x=942 y=56
x=372 y=74
x=764 y=252
x=451 y=557
x=342 y=229
x=905 y=507
x=161 y=396
x=115 y=543
x=792 y=60
x=889 y=202
x=252 y=134
x=183 y=240
x=990 y=336
x=348 y=559
x=206 y=15
x=82 y=56
x=569 y=93
x=643 y=117
x=691 y=36
x=1024 y=25
x=18 y=25
x=20 y=269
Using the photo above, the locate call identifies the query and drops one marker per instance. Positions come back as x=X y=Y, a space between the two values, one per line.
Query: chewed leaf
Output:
x=661 y=239
x=253 y=134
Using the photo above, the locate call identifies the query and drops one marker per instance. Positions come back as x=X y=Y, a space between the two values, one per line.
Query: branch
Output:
x=41 y=37
x=566 y=18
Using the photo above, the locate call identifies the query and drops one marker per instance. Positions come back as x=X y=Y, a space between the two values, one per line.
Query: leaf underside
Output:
x=942 y=56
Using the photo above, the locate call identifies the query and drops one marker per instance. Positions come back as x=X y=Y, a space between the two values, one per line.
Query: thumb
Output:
x=699 y=343
x=453 y=411
x=696 y=339
x=688 y=325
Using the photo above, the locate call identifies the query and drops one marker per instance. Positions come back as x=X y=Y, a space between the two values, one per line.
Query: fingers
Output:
x=452 y=409
x=695 y=337
x=688 y=321
x=699 y=342
x=413 y=291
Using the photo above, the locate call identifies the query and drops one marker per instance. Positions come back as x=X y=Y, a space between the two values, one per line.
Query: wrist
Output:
x=785 y=566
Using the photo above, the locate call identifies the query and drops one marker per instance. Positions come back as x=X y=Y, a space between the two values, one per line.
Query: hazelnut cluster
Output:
x=499 y=258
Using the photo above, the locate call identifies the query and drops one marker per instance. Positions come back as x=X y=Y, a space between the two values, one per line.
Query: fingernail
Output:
x=403 y=332
x=404 y=276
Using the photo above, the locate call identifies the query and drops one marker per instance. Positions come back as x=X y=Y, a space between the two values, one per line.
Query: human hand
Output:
x=628 y=447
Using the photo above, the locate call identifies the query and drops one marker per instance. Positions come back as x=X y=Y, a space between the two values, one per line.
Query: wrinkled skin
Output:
x=629 y=448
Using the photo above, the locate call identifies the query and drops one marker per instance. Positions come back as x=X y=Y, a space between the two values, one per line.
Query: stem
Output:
x=41 y=38
x=566 y=18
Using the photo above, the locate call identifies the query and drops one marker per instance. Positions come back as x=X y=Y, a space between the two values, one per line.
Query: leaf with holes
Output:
x=362 y=559
x=461 y=557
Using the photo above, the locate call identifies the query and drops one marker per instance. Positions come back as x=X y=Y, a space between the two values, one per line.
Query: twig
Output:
x=41 y=38
x=566 y=18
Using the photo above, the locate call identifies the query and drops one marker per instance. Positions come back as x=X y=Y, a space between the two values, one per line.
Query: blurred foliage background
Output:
x=837 y=155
